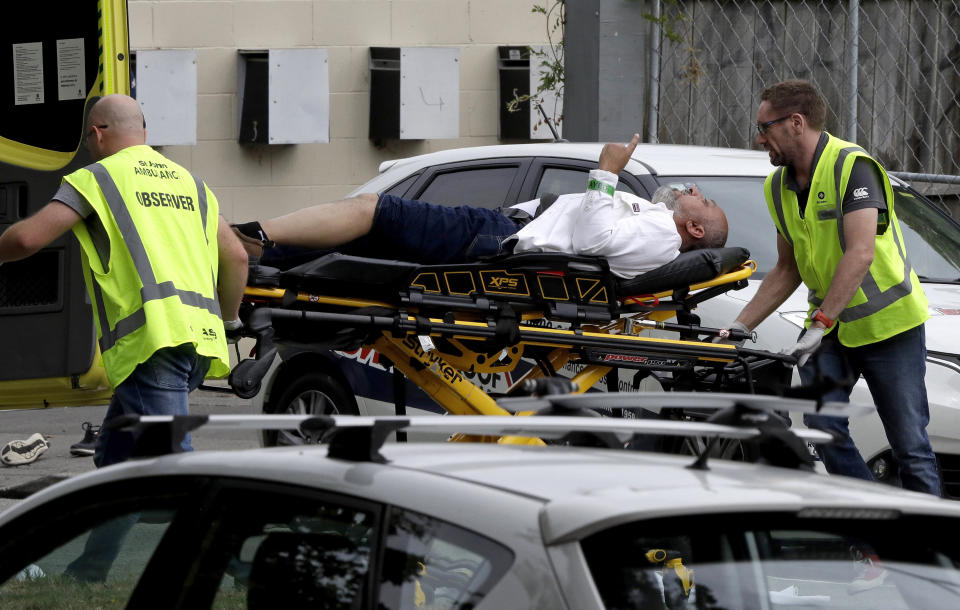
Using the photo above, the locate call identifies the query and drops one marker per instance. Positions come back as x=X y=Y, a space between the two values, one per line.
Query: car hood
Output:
x=943 y=327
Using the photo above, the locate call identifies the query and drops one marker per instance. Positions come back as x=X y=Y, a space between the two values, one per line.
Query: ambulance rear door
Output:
x=59 y=55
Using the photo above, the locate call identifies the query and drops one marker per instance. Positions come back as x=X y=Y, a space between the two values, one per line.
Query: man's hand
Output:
x=614 y=157
x=735 y=326
x=233 y=329
x=807 y=344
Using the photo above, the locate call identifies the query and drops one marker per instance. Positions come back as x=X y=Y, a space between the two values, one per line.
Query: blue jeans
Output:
x=430 y=234
x=417 y=232
x=159 y=386
x=894 y=370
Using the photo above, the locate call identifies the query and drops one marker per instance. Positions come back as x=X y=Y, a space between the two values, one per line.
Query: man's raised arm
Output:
x=595 y=226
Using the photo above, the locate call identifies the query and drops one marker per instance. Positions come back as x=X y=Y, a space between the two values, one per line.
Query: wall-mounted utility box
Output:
x=513 y=68
x=252 y=96
x=283 y=96
x=519 y=70
x=166 y=88
x=414 y=93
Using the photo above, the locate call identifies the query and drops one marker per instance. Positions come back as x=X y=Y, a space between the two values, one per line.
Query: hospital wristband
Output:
x=603 y=187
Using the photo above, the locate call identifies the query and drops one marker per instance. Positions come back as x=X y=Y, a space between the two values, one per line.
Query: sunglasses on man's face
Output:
x=688 y=188
x=763 y=127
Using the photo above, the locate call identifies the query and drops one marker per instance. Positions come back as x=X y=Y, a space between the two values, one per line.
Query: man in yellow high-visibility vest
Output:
x=837 y=232
x=162 y=267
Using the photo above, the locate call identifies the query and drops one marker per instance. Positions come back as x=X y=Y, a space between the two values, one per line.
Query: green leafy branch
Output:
x=676 y=28
x=551 y=59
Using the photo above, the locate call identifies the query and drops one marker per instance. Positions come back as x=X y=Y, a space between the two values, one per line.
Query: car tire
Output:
x=313 y=393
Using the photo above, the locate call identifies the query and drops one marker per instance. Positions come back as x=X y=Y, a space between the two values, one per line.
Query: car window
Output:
x=563 y=180
x=400 y=189
x=432 y=564
x=296 y=552
x=96 y=549
x=749 y=223
x=485 y=187
x=307 y=549
x=82 y=567
x=760 y=561
x=933 y=244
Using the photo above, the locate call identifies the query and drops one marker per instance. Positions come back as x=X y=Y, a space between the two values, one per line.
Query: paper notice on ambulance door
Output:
x=28 y=73
x=71 y=79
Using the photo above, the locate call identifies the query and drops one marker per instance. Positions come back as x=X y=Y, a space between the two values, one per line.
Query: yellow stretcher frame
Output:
x=436 y=375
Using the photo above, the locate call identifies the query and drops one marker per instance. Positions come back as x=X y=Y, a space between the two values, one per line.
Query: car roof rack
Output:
x=654 y=401
x=776 y=444
x=360 y=438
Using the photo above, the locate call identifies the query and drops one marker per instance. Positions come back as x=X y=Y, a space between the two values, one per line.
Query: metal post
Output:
x=853 y=36
x=653 y=103
x=936 y=137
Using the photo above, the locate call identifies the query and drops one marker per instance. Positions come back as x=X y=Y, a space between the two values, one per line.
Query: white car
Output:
x=358 y=524
x=493 y=176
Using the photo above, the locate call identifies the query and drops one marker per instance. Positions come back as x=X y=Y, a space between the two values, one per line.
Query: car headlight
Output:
x=797 y=318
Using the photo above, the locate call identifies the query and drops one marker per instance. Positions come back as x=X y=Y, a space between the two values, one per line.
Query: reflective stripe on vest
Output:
x=876 y=299
x=151 y=289
x=775 y=190
x=837 y=179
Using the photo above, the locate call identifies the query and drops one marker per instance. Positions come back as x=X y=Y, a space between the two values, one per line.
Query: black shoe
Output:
x=89 y=442
x=252 y=237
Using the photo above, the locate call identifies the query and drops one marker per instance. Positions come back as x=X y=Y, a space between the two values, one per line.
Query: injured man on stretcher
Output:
x=633 y=234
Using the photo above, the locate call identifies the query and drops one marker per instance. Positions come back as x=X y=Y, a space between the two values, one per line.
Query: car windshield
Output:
x=777 y=560
x=932 y=242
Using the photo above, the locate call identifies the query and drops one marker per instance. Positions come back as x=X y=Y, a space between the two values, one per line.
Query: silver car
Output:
x=362 y=524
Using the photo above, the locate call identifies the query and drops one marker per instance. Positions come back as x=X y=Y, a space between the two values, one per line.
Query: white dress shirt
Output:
x=633 y=234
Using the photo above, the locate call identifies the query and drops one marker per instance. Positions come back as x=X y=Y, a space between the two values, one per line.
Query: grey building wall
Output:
x=581 y=56
x=607 y=61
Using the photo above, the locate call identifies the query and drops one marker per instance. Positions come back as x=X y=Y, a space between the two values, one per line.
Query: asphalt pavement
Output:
x=61 y=426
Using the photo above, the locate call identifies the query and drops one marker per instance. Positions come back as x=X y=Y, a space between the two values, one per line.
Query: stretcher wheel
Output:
x=249 y=393
x=244 y=384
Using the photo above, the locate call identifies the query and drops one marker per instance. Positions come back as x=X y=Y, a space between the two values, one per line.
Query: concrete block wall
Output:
x=261 y=181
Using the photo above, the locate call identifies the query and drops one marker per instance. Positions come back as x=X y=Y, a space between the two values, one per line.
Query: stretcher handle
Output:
x=763 y=355
x=724 y=333
x=734 y=334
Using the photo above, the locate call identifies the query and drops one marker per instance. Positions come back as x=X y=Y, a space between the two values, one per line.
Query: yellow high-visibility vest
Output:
x=153 y=284
x=890 y=299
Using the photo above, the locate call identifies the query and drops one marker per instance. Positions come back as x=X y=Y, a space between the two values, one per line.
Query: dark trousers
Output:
x=894 y=370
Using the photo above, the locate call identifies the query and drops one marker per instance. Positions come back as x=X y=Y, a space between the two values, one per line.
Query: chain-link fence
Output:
x=889 y=70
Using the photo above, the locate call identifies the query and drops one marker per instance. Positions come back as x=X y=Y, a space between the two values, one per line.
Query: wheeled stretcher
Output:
x=436 y=322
